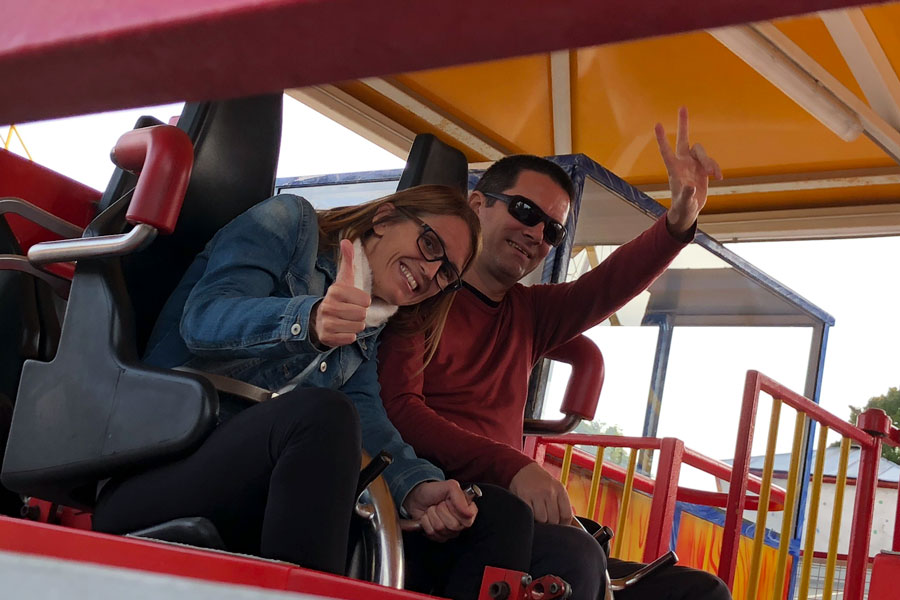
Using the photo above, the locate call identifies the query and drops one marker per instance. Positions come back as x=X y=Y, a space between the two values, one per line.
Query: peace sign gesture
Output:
x=689 y=170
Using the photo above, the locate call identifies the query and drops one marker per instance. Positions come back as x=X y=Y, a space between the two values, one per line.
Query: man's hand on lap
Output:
x=546 y=496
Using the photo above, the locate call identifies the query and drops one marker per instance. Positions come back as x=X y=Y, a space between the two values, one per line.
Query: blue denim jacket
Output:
x=242 y=310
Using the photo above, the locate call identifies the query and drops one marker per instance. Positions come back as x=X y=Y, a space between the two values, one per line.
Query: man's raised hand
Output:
x=342 y=312
x=689 y=170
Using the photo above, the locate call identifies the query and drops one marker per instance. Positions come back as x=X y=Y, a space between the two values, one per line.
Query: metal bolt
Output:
x=499 y=590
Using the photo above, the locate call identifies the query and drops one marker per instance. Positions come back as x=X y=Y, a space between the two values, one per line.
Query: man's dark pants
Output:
x=577 y=557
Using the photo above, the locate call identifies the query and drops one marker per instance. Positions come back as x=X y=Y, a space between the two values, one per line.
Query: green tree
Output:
x=889 y=403
x=616 y=456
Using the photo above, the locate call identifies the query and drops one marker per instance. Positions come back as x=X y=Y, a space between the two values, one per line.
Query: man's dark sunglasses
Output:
x=528 y=213
x=432 y=249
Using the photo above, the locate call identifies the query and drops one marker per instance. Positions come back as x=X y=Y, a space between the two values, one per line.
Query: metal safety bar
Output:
x=39 y=216
x=381 y=534
x=14 y=262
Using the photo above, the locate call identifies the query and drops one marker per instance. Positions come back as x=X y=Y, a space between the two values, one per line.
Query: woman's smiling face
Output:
x=400 y=273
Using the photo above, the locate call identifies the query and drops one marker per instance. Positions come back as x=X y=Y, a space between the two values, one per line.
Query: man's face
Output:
x=513 y=249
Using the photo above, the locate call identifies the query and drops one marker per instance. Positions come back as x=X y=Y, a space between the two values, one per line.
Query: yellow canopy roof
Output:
x=604 y=101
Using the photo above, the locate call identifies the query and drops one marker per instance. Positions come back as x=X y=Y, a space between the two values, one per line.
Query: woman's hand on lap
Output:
x=441 y=509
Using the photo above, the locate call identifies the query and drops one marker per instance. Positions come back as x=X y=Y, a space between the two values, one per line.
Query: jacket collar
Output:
x=379 y=311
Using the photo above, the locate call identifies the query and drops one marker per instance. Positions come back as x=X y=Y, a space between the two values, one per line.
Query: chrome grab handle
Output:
x=103 y=246
x=382 y=532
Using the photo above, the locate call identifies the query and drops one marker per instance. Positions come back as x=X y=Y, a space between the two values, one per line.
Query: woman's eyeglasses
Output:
x=431 y=246
x=528 y=213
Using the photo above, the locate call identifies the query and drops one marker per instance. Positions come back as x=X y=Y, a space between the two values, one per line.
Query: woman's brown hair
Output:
x=354 y=222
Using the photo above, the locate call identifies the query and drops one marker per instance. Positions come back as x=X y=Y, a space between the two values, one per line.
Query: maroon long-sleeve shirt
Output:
x=465 y=411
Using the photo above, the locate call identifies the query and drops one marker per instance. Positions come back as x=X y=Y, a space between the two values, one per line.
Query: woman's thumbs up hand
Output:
x=342 y=312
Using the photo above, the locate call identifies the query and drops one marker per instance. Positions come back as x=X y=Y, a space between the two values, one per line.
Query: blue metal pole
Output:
x=812 y=391
x=657 y=381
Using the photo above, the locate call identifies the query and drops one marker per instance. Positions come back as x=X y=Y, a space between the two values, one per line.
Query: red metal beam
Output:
x=65 y=58
x=644 y=484
x=813 y=410
x=861 y=528
x=722 y=470
x=17 y=535
x=737 y=489
x=662 y=508
x=877 y=423
x=607 y=441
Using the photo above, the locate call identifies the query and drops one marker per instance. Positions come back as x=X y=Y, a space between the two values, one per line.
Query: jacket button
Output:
x=323 y=366
x=296 y=329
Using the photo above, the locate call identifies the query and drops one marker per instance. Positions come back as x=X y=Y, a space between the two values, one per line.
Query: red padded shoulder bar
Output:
x=163 y=156
x=586 y=381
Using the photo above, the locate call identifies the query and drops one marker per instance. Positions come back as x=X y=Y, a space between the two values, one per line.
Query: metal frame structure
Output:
x=137 y=51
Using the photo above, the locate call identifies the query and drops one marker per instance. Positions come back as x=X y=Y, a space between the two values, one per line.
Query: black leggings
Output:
x=277 y=480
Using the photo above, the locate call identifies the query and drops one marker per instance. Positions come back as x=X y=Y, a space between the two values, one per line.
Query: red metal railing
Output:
x=664 y=490
x=873 y=428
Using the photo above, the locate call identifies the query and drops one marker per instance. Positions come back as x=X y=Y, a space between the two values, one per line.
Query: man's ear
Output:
x=380 y=220
x=477 y=201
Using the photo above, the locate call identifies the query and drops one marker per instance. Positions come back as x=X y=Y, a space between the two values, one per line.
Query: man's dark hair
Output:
x=503 y=174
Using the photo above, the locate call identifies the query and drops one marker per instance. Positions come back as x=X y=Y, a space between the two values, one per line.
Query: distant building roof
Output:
x=888 y=472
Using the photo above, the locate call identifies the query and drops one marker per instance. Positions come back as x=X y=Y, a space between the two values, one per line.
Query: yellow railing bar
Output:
x=813 y=517
x=787 y=523
x=9 y=134
x=836 y=519
x=566 y=465
x=601 y=510
x=595 y=483
x=762 y=511
x=626 y=500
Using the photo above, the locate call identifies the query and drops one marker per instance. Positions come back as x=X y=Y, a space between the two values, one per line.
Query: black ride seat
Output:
x=94 y=411
x=29 y=329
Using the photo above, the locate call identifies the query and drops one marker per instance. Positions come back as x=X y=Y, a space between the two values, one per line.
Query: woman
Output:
x=293 y=301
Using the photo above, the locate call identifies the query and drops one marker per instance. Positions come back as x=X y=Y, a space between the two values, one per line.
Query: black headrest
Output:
x=236 y=145
x=431 y=161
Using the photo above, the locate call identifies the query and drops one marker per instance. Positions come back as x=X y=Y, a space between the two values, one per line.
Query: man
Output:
x=464 y=410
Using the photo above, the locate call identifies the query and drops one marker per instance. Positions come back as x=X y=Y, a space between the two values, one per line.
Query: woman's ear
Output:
x=381 y=219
